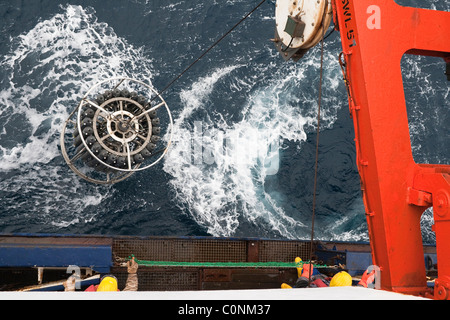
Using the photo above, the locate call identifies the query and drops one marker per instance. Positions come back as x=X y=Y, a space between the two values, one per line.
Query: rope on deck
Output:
x=226 y=264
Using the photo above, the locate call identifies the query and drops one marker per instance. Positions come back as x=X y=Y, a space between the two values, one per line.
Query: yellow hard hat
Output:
x=108 y=284
x=285 y=286
x=341 y=279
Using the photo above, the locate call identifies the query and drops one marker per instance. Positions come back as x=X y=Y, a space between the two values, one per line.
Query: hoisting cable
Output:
x=289 y=45
x=207 y=50
x=329 y=33
x=317 y=156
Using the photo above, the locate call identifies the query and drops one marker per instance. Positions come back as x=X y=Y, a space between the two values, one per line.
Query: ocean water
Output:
x=242 y=162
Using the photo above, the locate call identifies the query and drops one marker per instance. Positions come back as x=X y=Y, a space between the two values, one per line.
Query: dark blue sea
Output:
x=255 y=113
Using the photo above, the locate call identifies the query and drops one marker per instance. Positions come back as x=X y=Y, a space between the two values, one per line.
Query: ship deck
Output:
x=27 y=262
x=335 y=293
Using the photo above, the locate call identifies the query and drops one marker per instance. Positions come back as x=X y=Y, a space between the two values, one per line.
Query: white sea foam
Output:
x=47 y=70
x=220 y=186
x=219 y=168
x=69 y=53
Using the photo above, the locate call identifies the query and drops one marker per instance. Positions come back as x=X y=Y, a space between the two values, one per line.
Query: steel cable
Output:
x=209 y=49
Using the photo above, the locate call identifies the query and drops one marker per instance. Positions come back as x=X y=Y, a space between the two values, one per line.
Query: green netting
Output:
x=226 y=264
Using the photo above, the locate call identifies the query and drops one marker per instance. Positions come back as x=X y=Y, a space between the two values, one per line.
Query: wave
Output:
x=220 y=167
x=44 y=74
x=47 y=70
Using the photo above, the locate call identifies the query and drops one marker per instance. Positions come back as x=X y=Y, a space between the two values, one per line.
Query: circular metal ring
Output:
x=116 y=126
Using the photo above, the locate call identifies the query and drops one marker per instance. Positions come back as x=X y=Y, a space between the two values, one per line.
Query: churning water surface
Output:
x=242 y=162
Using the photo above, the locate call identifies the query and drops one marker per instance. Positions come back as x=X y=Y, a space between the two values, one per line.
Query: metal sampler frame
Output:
x=123 y=126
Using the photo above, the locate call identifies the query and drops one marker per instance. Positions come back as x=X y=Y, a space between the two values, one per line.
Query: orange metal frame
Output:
x=375 y=35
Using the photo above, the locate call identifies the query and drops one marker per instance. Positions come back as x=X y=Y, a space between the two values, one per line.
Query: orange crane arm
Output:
x=375 y=35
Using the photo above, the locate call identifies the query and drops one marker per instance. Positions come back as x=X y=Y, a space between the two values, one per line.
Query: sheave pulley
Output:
x=299 y=25
x=116 y=131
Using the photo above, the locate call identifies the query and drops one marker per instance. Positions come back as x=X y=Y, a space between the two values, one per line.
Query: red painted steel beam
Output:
x=375 y=35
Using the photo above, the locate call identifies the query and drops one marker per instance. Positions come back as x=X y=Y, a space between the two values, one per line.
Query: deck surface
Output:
x=337 y=293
